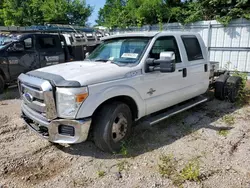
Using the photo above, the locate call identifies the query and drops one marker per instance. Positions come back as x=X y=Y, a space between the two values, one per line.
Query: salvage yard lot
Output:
x=207 y=146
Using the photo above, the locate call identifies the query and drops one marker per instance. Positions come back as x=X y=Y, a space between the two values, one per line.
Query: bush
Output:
x=244 y=93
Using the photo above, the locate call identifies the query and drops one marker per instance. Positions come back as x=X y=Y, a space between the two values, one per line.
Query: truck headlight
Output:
x=69 y=100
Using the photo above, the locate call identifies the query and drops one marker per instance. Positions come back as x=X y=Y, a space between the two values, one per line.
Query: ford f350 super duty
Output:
x=147 y=76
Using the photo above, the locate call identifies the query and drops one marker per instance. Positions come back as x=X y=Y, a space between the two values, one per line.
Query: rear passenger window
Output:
x=192 y=47
x=47 y=42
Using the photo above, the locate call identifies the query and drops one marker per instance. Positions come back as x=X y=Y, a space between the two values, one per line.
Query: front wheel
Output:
x=112 y=126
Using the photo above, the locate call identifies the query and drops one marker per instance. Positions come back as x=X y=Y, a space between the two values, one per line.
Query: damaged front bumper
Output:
x=58 y=130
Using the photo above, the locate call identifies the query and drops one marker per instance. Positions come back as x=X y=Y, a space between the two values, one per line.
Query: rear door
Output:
x=50 y=50
x=23 y=61
x=197 y=64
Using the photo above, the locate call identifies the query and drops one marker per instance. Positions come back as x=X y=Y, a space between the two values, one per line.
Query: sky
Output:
x=96 y=4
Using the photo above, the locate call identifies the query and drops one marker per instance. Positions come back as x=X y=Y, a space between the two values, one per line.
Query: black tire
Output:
x=2 y=84
x=104 y=123
x=219 y=87
x=233 y=87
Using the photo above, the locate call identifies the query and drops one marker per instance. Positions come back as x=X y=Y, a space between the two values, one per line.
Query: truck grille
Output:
x=37 y=94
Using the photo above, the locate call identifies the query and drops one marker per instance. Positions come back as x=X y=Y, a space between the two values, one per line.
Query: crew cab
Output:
x=129 y=78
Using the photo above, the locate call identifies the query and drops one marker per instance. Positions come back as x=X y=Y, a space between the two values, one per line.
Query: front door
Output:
x=50 y=50
x=22 y=61
x=162 y=90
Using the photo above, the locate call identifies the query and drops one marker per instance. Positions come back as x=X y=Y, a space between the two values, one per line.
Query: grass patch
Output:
x=191 y=171
x=196 y=135
x=168 y=166
x=223 y=132
x=101 y=173
x=123 y=165
x=229 y=119
x=168 y=169
x=124 y=149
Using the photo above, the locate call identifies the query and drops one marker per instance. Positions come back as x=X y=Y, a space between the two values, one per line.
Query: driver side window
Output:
x=28 y=43
x=164 y=44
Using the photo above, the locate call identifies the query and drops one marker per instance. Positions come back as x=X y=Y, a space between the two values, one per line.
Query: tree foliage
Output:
x=29 y=12
x=225 y=10
x=123 y=13
x=1 y=6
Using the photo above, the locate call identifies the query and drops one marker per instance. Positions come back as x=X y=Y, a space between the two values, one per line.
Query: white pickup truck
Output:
x=147 y=76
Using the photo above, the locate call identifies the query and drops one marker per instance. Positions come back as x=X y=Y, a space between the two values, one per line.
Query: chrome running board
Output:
x=175 y=110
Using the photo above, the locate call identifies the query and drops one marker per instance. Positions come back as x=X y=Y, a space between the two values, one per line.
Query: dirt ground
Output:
x=216 y=135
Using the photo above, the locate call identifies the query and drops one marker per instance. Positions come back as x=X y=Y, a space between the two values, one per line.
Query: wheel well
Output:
x=124 y=99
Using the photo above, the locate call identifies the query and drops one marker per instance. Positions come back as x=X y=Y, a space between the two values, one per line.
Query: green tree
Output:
x=55 y=11
x=225 y=10
x=111 y=15
x=118 y=13
x=78 y=12
x=13 y=12
x=29 y=12
x=1 y=13
x=34 y=14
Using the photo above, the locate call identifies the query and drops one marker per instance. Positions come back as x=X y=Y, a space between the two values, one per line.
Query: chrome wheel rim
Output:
x=119 y=128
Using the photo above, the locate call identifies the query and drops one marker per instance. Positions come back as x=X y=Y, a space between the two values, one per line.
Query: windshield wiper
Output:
x=104 y=60
x=111 y=61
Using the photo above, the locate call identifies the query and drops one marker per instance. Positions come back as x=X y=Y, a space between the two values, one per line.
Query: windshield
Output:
x=6 y=39
x=126 y=50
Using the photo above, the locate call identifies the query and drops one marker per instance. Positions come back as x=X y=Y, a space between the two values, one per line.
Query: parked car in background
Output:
x=25 y=52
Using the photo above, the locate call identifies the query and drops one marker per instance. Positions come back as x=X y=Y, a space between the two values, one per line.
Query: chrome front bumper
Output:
x=50 y=129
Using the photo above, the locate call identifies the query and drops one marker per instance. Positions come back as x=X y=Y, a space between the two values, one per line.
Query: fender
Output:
x=96 y=98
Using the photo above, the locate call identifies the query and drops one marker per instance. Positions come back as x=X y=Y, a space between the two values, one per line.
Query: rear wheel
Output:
x=2 y=84
x=112 y=126
x=219 y=87
x=233 y=87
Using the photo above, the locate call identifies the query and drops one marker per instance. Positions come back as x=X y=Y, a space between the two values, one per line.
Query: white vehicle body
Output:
x=149 y=91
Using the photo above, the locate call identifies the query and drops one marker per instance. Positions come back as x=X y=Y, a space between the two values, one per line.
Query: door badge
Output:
x=151 y=91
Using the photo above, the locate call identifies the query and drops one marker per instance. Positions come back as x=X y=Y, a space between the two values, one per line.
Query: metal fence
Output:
x=229 y=45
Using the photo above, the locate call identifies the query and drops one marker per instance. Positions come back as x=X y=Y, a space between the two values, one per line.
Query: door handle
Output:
x=184 y=72
x=205 y=68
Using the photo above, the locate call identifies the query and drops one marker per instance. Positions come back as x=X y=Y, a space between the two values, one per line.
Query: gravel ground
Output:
x=215 y=136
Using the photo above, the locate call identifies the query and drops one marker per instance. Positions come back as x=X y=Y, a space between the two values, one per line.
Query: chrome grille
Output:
x=37 y=94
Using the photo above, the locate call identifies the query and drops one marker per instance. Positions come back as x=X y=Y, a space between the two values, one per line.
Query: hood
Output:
x=4 y=47
x=87 y=72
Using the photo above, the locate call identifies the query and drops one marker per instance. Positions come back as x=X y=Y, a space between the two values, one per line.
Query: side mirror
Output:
x=87 y=55
x=16 y=47
x=165 y=64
